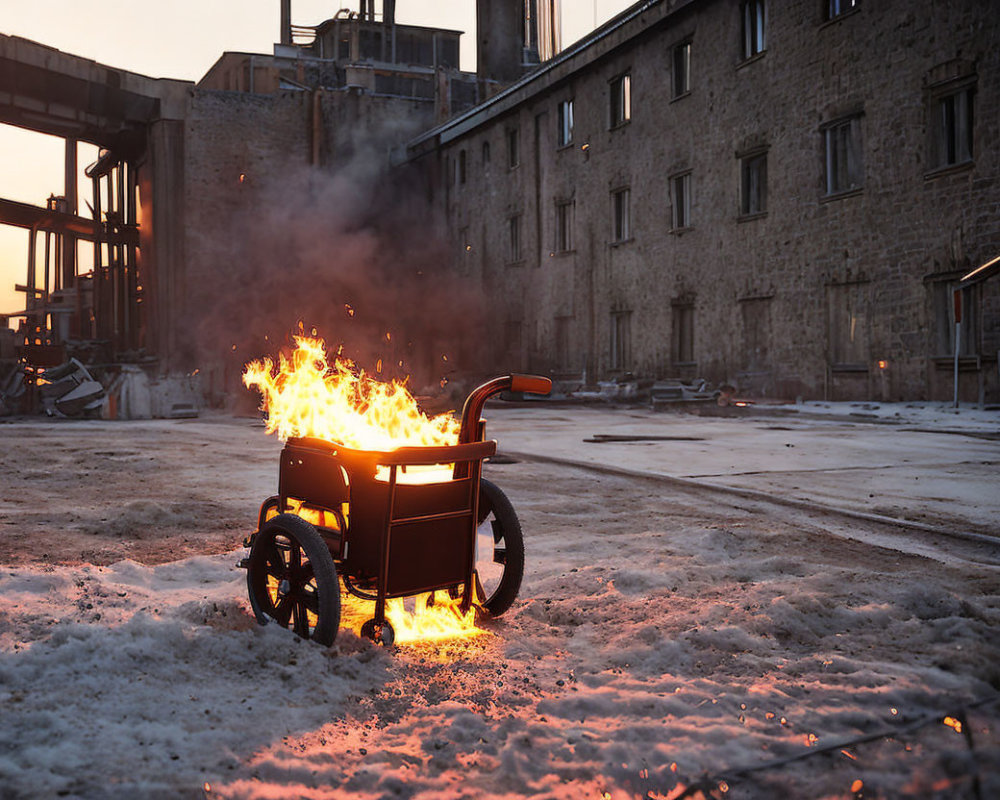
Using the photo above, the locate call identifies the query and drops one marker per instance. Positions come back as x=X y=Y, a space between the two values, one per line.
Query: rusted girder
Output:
x=23 y=215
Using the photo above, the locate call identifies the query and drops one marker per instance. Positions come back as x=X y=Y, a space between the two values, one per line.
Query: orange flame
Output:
x=307 y=396
x=431 y=621
x=304 y=395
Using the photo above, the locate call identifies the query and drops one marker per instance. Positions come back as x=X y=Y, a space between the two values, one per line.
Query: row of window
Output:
x=951 y=143
x=754 y=24
x=849 y=308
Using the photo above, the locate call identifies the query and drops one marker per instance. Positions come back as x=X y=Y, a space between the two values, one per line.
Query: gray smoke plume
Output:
x=353 y=253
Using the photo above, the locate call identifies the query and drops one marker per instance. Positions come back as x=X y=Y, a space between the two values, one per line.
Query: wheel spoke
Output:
x=276 y=561
x=283 y=611
x=500 y=555
x=311 y=600
x=301 y=619
x=304 y=574
x=497 y=529
x=295 y=556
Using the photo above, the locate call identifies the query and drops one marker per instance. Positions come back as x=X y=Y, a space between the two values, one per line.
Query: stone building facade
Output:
x=776 y=194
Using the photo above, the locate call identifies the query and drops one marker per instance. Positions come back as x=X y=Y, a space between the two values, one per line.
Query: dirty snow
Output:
x=662 y=636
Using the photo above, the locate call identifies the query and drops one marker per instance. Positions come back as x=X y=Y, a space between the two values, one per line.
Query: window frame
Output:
x=621 y=215
x=620 y=341
x=838 y=9
x=747 y=211
x=857 y=295
x=620 y=100
x=682 y=311
x=564 y=131
x=852 y=156
x=515 y=254
x=565 y=221
x=677 y=92
x=964 y=87
x=680 y=222
x=753 y=29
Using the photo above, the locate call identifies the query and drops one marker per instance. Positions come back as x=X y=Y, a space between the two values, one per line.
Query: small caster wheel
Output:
x=380 y=634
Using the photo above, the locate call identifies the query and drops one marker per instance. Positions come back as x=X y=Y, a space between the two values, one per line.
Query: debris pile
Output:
x=69 y=390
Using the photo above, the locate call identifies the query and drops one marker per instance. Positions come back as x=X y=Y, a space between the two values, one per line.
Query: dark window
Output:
x=565 y=211
x=565 y=133
x=842 y=145
x=513 y=154
x=621 y=340
x=753 y=184
x=621 y=223
x=680 y=200
x=683 y=329
x=682 y=69
x=754 y=27
x=486 y=152
x=756 y=314
x=621 y=100
x=951 y=127
x=848 y=325
x=834 y=8
x=514 y=239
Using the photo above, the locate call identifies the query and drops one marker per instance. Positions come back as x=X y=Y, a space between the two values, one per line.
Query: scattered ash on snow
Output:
x=660 y=637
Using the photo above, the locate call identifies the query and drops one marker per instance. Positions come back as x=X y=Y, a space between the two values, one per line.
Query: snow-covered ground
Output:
x=919 y=463
x=664 y=636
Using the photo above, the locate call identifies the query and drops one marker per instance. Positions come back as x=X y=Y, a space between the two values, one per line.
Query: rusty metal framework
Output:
x=62 y=305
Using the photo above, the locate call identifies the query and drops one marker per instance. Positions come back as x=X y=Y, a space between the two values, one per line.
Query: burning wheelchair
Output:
x=376 y=521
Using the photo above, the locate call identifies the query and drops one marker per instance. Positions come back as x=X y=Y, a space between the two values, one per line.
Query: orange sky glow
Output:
x=180 y=40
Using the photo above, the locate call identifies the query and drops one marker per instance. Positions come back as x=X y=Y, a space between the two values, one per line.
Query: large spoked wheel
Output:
x=499 y=550
x=292 y=579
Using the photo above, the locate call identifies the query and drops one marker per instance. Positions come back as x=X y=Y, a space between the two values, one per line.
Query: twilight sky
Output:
x=180 y=39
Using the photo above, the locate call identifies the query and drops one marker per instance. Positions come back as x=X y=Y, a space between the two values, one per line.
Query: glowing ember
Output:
x=954 y=724
x=307 y=396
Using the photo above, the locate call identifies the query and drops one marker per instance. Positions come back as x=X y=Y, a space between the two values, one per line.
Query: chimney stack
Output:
x=286 y=22
x=500 y=26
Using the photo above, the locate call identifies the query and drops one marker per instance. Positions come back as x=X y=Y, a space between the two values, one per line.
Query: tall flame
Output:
x=306 y=396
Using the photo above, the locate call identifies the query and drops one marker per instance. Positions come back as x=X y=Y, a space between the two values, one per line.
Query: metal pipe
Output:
x=957 y=297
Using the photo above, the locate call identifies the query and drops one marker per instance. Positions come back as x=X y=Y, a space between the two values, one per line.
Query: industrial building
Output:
x=774 y=194
x=779 y=195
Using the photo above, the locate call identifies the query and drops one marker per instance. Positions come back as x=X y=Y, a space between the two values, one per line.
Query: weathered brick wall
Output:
x=887 y=244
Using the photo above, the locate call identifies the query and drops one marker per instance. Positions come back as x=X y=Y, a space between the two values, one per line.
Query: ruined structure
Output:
x=205 y=194
x=777 y=195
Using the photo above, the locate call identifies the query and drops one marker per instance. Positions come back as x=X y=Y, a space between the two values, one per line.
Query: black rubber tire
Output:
x=506 y=529
x=384 y=636
x=312 y=580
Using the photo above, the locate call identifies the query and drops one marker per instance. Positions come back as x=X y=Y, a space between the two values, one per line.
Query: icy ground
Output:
x=663 y=637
